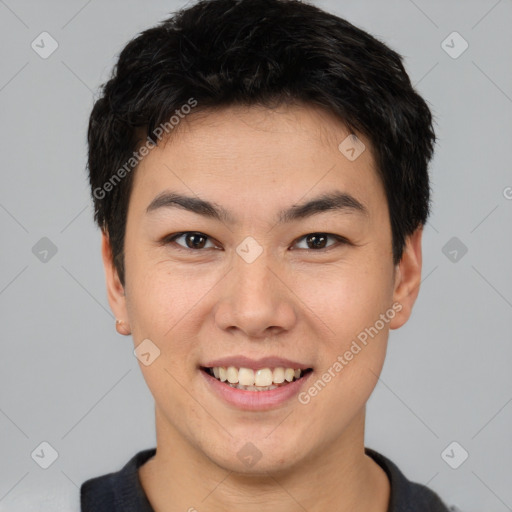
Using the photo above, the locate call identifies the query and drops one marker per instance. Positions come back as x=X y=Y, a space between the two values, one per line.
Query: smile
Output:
x=264 y=379
x=270 y=388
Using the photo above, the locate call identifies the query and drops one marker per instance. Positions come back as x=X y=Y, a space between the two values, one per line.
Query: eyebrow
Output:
x=334 y=201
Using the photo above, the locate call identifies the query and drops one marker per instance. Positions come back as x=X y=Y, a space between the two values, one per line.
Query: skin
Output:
x=294 y=301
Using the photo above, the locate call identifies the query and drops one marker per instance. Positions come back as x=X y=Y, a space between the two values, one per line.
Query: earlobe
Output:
x=121 y=328
x=115 y=289
x=407 y=279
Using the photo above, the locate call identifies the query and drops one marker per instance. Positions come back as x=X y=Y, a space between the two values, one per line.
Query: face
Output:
x=266 y=283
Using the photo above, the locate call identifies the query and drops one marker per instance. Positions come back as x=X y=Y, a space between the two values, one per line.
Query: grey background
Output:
x=68 y=379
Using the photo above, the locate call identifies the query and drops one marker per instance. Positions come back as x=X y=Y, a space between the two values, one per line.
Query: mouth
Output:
x=263 y=379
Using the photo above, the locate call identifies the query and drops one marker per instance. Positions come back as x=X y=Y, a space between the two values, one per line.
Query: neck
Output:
x=337 y=477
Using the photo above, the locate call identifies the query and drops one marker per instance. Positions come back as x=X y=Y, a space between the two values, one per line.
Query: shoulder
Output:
x=407 y=496
x=119 y=490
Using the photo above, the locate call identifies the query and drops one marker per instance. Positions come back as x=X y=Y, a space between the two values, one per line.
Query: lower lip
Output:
x=255 y=400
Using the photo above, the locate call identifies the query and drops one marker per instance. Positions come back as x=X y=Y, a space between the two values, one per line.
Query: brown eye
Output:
x=318 y=241
x=193 y=240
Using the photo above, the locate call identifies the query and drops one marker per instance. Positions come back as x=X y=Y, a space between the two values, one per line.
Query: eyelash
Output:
x=172 y=239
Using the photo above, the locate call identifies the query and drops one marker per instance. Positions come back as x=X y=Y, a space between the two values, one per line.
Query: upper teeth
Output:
x=250 y=377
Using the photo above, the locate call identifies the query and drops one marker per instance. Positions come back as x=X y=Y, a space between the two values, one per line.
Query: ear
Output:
x=407 y=279
x=115 y=290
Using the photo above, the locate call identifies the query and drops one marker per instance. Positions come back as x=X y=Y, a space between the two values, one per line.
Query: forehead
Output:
x=280 y=129
x=246 y=156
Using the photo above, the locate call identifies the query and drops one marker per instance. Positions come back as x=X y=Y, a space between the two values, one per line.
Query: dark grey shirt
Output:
x=122 y=491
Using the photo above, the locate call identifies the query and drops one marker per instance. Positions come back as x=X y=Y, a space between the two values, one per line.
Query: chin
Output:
x=255 y=455
x=262 y=467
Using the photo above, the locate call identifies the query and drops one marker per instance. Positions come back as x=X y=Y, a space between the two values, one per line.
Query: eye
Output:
x=317 y=241
x=193 y=240
x=196 y=240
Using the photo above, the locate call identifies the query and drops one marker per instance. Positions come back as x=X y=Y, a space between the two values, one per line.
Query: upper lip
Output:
x=256 y=364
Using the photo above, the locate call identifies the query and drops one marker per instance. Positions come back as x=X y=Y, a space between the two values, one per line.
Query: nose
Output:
x=256 y=299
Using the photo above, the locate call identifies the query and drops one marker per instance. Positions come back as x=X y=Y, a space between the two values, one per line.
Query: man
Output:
x=259 y=169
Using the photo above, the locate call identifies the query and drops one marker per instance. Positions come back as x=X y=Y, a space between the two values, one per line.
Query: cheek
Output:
x=353 y=347
x=160 y=308
x=346 y=297
x=160 y=295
